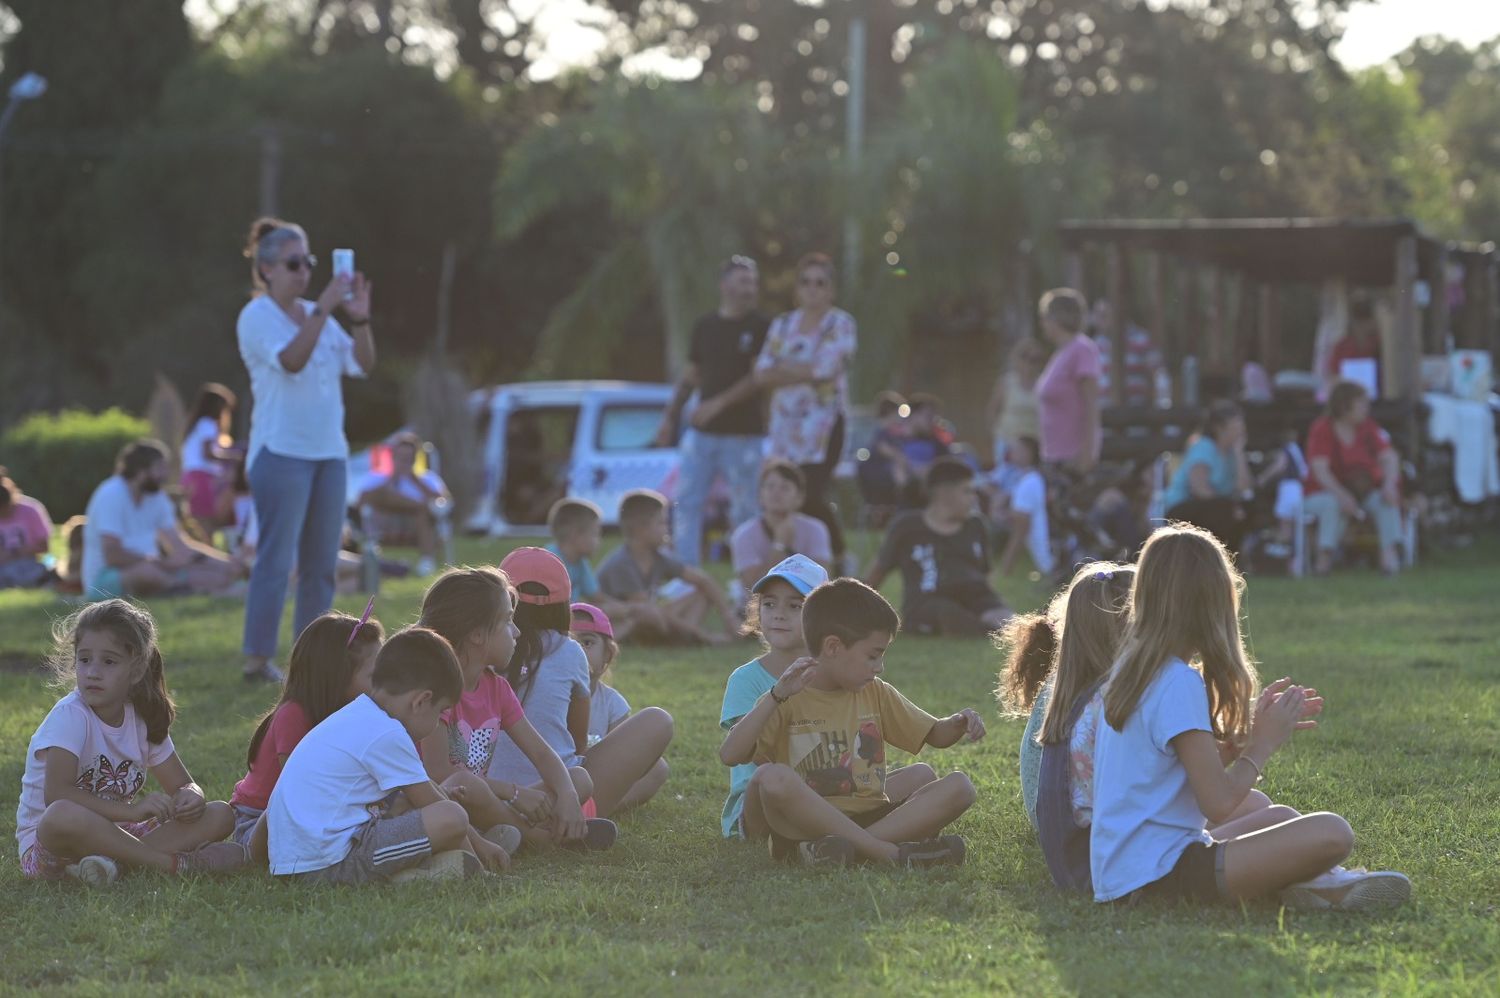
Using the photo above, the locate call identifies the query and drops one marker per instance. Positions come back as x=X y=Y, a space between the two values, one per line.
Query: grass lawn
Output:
x=1408 y=752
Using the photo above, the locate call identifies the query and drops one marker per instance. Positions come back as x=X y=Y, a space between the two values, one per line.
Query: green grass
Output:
x=1407 y=752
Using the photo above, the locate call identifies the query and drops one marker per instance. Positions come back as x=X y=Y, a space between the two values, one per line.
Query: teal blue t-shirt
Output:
x=580 y=576
x=1221 y=474
x=746 y=685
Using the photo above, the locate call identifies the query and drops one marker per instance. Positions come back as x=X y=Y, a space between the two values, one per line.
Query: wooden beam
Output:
x=1115 y=283
x=1402 y=357
x=1439 y=338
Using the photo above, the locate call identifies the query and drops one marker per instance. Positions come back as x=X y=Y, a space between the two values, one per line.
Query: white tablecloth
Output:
x=1470 y=427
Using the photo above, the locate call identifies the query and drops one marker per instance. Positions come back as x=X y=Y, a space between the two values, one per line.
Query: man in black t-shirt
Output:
x=728 y=428
x=943 y=554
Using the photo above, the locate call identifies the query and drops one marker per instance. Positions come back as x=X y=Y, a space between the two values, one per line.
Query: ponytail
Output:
x=153 y=704
x=1032 y=640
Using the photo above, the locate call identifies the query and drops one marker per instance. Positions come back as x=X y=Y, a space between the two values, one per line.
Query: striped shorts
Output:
x=381 y=848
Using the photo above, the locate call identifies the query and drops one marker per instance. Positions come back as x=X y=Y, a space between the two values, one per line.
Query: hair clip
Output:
x=1104 y=575
x=362 y=621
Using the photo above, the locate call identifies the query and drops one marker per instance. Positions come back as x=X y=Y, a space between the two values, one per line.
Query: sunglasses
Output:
x=296 y=263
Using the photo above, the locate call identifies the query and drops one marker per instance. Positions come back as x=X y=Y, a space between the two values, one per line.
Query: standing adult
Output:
x=1213 y=477
x=728 y=428
x=805 y=367
x=1067 y=391
x=1012 y=409
x=297 y=355
x=1355 y=474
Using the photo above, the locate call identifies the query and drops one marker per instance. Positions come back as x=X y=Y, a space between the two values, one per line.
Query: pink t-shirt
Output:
x=25 y=528
x=750 y=544
x=475 y=722
x=112 y=762
x=288 y=725
x=1059 y=405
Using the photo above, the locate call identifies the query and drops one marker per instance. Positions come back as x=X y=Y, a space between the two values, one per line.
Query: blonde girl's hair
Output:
x=133 y=627
x=1073 y=641
x=1185 y=604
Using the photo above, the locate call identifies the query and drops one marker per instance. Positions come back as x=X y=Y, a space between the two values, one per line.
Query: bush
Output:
x=61 y=458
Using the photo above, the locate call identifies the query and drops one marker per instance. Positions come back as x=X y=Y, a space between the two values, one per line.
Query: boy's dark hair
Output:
x=948 y=470
x=417 y=658
x=639 y=505
x=138 y=455
x=888 y=404
x=846 y=609
x=568 y=516
x=1065 y=307
x=782 y=467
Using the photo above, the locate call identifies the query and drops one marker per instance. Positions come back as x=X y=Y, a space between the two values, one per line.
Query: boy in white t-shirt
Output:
x=1026 y=518
x=354 y=804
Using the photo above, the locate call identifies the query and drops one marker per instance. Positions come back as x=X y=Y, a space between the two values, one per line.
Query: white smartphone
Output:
x=343 y=263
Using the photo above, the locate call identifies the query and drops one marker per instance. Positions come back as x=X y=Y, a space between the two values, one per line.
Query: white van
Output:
x=544 y=440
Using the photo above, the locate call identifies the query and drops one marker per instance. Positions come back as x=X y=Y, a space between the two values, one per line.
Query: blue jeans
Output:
x=299 y=506
x=738 y=459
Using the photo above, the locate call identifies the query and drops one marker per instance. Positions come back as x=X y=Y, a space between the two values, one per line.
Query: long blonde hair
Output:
x=1185 y=603
x=1074 y=641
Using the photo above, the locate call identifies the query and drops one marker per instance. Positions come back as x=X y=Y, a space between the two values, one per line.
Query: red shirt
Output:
x=475 y=722
x=288 y=726
x=1350 y=348
x=1362 y=454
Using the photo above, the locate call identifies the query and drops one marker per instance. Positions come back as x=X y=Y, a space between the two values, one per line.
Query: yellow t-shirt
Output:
x=836 y=740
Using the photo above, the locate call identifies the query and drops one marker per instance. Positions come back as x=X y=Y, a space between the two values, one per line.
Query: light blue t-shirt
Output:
x=1145 y=813
x=581 y=576
x=607 y=708
x=1221 y=472
x=563 y=669
x=746 y=685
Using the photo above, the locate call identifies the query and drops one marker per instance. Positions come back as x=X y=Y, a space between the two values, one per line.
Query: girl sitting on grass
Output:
x=329 y=666
x=79 y=814
x=475 y=610
x=607 y=708
x=1160 y=778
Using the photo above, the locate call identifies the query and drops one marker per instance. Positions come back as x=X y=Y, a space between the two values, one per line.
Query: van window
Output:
x=627 y=427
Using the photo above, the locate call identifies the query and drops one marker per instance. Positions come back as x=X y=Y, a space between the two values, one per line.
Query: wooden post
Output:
x=1269 y=331
x=1156 y=279
x=1115 y=280
x=1491 y=302
x=1439 y=339
x=1402 y=357
x=1214 y=362
x=1073 y=269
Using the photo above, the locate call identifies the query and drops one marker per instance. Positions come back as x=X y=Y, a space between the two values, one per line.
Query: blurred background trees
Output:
x=587 y=208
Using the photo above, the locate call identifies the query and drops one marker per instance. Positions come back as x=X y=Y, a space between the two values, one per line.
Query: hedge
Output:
x=61 y=458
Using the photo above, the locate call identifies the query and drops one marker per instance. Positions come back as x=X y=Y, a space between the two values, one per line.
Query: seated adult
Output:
x=133 y=544
x=762 y=543
x=943 y=553
x=402 y=505
x=1355 y=475
x=1213 y=477
x=25 y=532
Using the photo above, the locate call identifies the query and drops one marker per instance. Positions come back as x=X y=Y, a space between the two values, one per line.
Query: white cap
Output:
x=798 y=571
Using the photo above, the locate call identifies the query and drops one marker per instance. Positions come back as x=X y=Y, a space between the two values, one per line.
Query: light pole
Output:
x=30 y=86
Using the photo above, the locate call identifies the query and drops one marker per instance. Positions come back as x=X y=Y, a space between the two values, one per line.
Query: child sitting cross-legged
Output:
x=353 y=804
x=819 y=734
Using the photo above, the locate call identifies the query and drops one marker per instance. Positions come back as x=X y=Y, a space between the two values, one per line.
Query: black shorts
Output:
x=784 y=850
x=1198 y=875
x=956 y=611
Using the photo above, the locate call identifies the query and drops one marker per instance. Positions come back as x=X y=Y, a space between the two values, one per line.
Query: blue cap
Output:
x=798 y=571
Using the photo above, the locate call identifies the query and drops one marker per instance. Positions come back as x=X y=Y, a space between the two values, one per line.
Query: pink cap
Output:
x=543 y=568
x=596 y=621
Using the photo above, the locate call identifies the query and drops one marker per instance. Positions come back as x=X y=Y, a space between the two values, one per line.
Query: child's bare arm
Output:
x=578 y=720
x=434 y=752
x=424 y=794
x=739 y=744
x=58 y=783
x=966 y=724
x=188 y=801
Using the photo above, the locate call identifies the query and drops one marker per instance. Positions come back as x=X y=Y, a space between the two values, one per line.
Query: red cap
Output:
x=543 y=568
x=595 y=620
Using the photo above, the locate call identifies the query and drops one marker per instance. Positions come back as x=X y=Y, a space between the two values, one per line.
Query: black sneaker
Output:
x=599 y=834
x=944 y=850
x=830 y=850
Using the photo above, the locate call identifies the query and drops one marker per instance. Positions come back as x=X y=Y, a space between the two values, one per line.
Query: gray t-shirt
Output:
x=607 y=708
x=622 y=579
x=564 y=668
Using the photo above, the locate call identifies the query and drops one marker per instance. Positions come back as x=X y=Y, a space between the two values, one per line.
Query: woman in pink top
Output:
x=330 y=665
x=25 y=533
x=1068 y=390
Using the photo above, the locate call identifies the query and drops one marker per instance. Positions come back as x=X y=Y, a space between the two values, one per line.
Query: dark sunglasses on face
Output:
x=296 y=263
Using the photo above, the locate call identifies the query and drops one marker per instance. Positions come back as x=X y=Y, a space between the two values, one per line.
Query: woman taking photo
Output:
x=1213 y=477
x=804 y=366
x=297 y=355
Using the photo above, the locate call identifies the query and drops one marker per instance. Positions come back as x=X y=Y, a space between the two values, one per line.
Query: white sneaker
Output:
x=507 y=837
x=94 y=871
x=425 y=566
x=1349 y=890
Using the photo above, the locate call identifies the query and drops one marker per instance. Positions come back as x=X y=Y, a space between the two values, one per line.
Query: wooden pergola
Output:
x=1267 y=254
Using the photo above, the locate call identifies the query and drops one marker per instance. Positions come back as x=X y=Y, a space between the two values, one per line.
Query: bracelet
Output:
x=1254 y=765
x=779 y=700
x=515 y=793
